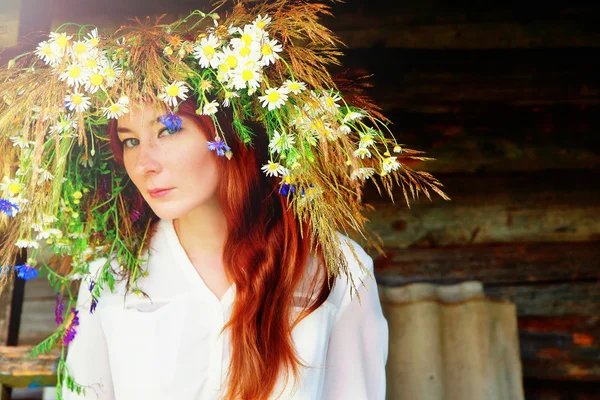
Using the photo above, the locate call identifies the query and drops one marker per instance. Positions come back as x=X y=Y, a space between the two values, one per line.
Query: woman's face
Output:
x=174 y=172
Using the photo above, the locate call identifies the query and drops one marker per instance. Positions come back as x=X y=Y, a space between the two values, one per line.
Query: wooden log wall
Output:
x=507 y=98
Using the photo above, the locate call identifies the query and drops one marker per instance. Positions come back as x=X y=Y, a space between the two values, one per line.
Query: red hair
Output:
x=265 y=256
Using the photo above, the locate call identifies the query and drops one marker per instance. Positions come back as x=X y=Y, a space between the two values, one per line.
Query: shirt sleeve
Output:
x=87 y=357
x=358 y=346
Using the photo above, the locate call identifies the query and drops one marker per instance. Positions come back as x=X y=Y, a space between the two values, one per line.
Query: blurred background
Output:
x=506 y=97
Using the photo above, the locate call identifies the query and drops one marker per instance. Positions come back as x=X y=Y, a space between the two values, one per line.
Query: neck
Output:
x=203 y=230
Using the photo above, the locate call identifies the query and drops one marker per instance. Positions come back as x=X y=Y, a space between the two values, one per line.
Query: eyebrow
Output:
x=127 y=130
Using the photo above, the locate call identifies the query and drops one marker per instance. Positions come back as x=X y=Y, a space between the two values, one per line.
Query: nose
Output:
x=148 y=159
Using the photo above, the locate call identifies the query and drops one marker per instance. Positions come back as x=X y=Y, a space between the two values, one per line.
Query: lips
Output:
x=156 y=193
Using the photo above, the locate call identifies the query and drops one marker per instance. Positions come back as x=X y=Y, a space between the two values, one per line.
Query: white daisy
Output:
x=64 y=125
x=352 y=116
x=366 y=139
x=210 y=108
x=261 y=22
x=363 y=173
x=294 y=86
x=228 y=96
x=45 y=175
x=228 y=61
x=397 y=149
x=345 y=129
x=362 y=152
x=274 y=98
x=92 y=38
x=269 y=50
x=94 y=82
x=206 y=52
x=248 y=35
x=280 y=142
x=115 y=110
x=274 y=169
x=61 y=40
x=172 y=92
x=20 y=141
x=48 y=53
x=75 y=75
x=80 y=50
x=24 y=244
x=10 y=186
x=390 y=164
x=247 y=75
x=77 y=102
x=111 y=71
x=330 y=100
x=47 y=233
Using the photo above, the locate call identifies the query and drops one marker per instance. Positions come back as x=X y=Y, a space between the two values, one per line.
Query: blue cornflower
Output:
x=26 y=272
x=171 y=121
x=8 y=207
x=286 y=188
x=219 y=146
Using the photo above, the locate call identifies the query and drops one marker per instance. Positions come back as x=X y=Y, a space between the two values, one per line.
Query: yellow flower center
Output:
x=267 y=50
x=232 y=61
x=260 y=24
x=91 y=63
x=273 y=167
x=109 y=72
x=168 y=50
x=94 y=41
x=246 y=38
x=77 y=195
x=247 y=75
x=14 y=188
x=330 y=102
x=273 y=97
x=80 y=48
x=114 y=108
x=223 y=67
x=96 y=79
x=245 y=51
x=173 y=90
x=76 y=99
x=62 y=41
x=209 y=51
x=75 y=72
x=294 y=86
x=47 y=51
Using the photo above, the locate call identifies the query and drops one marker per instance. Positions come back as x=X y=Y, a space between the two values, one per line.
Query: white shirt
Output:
x=170 y=348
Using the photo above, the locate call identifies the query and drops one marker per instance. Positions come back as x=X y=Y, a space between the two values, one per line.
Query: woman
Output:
x=228 y=272
x=196 y=177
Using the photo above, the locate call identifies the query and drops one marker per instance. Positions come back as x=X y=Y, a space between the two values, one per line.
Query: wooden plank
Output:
x=561 y=348
x=551 y=300
x=538 y=207
x=500 y=263
x=17 y=371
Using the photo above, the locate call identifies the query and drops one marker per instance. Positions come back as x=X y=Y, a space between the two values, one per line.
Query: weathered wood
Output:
x=551 y=300
x=18 y=371
x=387 y=31
x=562 y=348
x=543 y=207
x=506 y=263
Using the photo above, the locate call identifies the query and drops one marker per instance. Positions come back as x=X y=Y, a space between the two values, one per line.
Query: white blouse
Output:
x=170 y=347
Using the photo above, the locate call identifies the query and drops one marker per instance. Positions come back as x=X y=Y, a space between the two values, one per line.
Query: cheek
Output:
x=198 y=167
